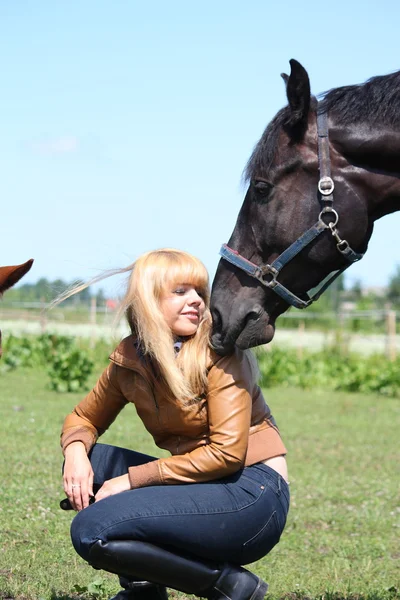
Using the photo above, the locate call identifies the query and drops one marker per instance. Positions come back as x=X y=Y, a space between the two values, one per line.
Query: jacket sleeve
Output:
x=91 y=417
x=229 y=404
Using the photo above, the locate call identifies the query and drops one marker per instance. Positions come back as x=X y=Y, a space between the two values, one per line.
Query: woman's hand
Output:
x=78 y=476
x=114 y=486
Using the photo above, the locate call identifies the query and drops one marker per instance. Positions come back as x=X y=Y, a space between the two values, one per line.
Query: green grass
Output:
x=342 y=537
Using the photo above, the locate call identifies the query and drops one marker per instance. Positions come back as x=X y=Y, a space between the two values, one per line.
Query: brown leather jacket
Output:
x=209 y=437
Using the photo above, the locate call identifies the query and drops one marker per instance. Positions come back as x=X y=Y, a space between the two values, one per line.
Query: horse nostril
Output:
x=216 y=319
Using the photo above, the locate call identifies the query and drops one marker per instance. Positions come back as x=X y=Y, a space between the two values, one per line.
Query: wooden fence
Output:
x=300 y=329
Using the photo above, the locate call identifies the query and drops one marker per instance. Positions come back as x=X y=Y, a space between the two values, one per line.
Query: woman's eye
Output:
x=179 y=291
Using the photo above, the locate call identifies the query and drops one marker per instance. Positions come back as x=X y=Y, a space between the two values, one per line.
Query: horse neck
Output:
x=371 y=156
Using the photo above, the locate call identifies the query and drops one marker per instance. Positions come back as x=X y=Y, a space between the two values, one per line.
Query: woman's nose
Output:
x=194 y=297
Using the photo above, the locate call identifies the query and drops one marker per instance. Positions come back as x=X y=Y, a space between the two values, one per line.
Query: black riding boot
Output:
x=140 y=590
x=191 y=575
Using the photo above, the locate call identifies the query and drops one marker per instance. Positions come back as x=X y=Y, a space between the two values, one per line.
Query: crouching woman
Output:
x=220 y=501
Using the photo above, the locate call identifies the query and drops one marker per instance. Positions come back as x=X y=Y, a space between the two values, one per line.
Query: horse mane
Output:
x=376 y=100
x=264 y=151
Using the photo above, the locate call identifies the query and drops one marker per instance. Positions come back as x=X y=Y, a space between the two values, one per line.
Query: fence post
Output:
x=391 y=349
x=43 y=316
x=300 y=339
x=93 y=315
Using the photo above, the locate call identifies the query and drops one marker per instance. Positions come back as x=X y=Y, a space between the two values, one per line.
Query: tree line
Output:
x=361 y=298
x=45 y=290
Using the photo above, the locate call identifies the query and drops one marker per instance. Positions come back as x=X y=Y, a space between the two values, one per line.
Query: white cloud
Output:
x=64 y=144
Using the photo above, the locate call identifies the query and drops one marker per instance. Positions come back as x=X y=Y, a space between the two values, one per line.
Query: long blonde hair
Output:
x=150 y=275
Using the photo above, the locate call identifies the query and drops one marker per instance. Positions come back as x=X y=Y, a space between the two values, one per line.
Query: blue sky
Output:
x=126 y=125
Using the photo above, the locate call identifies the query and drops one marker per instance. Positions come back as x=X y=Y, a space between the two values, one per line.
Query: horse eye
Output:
x=262 y=187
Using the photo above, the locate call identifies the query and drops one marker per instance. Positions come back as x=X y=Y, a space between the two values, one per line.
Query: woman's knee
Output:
x=110 y=518
x=82 y=534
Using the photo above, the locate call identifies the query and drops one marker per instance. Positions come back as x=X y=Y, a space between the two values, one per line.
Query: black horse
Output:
x=319 y=177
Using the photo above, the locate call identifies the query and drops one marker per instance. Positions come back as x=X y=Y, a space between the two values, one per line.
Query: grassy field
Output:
x=342 y=539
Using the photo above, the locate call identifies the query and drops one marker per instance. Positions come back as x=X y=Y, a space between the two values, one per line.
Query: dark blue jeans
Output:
x=237 y=519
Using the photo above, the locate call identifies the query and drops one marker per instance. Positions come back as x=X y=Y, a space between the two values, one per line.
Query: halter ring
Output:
x=326 y=186
x=328 y=209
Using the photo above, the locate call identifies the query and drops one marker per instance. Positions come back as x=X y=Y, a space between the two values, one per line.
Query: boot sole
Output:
x=260 y=591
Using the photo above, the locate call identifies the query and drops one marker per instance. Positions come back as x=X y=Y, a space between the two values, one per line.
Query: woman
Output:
x=221 y=500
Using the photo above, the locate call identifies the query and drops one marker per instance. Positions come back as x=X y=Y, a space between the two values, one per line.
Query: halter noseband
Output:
x=267 y=274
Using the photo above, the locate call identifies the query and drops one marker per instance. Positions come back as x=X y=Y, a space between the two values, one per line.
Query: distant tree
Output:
x=331 y=298
x=31 y=292
x=355 y=292
x=57 y=287
x=334 y=292
x=100 y=298
x=82 y=297
x=85 y=295
x=393 y=293
x=45 y=291
x=42 y=289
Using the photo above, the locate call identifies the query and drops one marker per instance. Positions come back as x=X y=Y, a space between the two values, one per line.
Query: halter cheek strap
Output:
x=267 y=274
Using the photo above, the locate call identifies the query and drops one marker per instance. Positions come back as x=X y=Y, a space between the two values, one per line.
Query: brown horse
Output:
x=9 y=276
x=319 y=177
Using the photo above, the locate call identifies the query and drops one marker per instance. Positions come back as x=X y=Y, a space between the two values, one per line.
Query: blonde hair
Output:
x=151 y=275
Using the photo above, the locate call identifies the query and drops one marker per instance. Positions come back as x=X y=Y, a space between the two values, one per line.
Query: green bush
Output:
x=69 y=370
x=31 y=351
x=20 y=352
x=68 y=365
x=330 y=370
x=70 y=361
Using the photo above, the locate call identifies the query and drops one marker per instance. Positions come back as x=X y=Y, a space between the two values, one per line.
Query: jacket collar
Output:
x=127 y=354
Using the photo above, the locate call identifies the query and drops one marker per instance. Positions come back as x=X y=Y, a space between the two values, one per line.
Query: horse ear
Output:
x=9 y=276
x=285 y=78
x=299 y=96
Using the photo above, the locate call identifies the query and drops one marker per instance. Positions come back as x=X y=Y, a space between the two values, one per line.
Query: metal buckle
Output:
x=343 y=246
x=261 y=272
x=326 y=186
x=324 y=211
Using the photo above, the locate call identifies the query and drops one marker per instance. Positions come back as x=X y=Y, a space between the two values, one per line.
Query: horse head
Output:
x=320 y=175
x=9 y=276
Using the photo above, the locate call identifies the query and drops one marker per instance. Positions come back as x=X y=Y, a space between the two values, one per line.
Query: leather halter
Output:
x=267 y=274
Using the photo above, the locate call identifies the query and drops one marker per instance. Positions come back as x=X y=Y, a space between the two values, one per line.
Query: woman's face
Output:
x=183 y=308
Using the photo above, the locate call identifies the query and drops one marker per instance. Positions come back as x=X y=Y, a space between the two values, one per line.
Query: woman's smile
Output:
x=191 y=315
x=183 y=308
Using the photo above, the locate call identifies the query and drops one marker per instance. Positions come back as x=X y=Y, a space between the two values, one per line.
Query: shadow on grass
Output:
x=60 y=596
x=391 y=593
x=54 y=596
